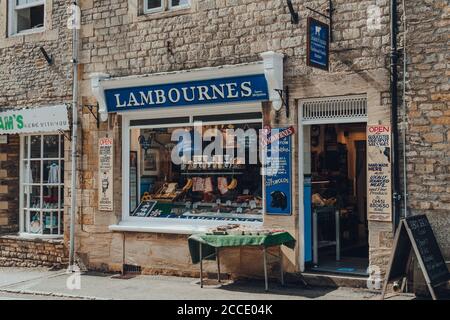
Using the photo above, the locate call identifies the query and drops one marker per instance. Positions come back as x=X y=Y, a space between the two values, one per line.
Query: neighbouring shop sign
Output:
x=35 y=120
x=278 y=169
x=318 y=44
x=105 y=173
x=199 y=92
x=379 y=172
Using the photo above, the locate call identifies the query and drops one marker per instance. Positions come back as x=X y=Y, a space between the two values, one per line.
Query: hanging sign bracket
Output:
x=96 y=116
x=330 y=11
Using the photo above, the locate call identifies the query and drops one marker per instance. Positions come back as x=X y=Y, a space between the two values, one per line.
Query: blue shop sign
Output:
x=318 y=42
x=278 y=172
x=212 y=91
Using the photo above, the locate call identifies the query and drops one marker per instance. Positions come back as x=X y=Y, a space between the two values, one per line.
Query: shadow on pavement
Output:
x=257 y=287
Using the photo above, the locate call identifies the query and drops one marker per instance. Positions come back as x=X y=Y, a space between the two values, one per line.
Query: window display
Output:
x=43 y=184
x=207 y=172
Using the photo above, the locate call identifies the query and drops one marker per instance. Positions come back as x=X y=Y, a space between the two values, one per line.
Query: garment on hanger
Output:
x=53 y=173
x=28 y=178
x=199 y=184
x=222 y=185
x=208 y=185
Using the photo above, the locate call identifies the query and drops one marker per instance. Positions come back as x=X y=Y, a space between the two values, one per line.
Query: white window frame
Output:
x=178 y=7
x=12 y=17
x=168 y=225
x=153 y=10
x=24 y=212
x=166 y=5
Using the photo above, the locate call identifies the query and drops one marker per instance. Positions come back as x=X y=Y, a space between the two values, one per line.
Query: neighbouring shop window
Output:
x=164 y=5
x=26 y=15
x=196 y=172
x=42 y=181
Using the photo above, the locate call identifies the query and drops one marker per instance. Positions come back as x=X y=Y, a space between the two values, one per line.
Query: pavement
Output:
x=42 y=284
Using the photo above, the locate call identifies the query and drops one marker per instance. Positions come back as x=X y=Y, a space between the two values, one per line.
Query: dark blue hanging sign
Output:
x=247 y=88
x=278 y=169
x=318 y=44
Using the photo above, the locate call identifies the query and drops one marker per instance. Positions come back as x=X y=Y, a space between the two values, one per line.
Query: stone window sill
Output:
x=34 y=238
x=157 y=15
x=158 y=225
x=29 y=37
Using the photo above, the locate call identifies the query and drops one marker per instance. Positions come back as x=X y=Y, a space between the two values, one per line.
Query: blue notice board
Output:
x=318 y=44
x=278 y=173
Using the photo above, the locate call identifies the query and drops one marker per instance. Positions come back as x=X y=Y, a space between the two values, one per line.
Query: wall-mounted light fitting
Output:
x=47 y=57
x=294 y=15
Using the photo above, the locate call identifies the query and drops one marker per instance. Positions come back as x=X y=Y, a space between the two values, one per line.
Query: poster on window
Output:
x=278 y=171
x=379 y=173
x=105 y=174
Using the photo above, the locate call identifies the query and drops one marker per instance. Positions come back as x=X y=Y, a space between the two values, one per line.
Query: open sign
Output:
x=379 y=129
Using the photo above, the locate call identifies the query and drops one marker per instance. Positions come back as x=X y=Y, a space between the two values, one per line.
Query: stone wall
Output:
x=428 y=114
x=9 y=185
x=117 y=39
x=20 y=252
x=26 y=80
x=428 y=117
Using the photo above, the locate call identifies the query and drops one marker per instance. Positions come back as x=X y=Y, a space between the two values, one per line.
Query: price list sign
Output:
x=105 y=174
x=379 y=173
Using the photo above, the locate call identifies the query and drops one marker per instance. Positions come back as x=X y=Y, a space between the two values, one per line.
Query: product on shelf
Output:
x=237 y=229
x=233 y=184
x=222 y=185
x=188 y=186
x=208 y=185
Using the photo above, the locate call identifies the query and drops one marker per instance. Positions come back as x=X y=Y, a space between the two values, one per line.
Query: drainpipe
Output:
x=74 y=173
x=405 y=111
x=394 y=116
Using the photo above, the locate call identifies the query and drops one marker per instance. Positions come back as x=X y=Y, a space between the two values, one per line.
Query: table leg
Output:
x=201 y=265
x=265 y=269
x=218 y=264
x=281 y=266
x=315 y=240
x=338 y=236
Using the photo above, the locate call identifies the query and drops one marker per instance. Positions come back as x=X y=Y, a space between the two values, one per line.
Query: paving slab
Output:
x=10 y=276
x=142 y=287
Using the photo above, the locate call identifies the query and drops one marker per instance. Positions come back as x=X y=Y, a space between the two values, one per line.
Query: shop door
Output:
x=313 y=113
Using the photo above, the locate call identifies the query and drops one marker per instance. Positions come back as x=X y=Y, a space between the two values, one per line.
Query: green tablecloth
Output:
x=211 y=242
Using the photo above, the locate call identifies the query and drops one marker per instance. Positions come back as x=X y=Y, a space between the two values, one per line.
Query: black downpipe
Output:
x=394 y=116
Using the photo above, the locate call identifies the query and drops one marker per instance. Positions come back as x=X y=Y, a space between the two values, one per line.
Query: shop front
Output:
x=32 y=197
x=191 y=160
x=344 y=176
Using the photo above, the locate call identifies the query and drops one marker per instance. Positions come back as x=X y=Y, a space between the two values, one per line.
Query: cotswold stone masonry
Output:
x=117 y=39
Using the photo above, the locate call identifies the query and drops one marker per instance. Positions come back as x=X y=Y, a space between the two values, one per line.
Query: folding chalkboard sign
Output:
x=415 y=235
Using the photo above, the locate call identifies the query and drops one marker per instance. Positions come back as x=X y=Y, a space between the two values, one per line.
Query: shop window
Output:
x=195 y=172
x=151 y=6
x=42 y=184
x=26 y=16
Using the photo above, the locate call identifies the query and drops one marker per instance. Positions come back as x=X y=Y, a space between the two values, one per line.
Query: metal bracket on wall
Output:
x=68 y=137
x=284 y=95
x=96 y=116
x=330 y=11
x=294 y=15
